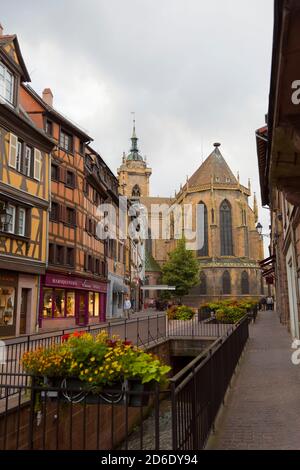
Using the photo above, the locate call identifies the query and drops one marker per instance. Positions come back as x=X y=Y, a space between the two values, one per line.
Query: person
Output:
x=127 y=307
x=270 y=302
x=262 y=305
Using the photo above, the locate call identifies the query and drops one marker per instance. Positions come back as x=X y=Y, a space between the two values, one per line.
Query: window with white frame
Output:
x=19 y=156
x=27 y=160
x=21 y=221
x=13 y=151
x=11 y=210
x=37 y=169
x=6 y=84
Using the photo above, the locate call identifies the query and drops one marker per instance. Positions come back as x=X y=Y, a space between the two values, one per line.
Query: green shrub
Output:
x=181 y=312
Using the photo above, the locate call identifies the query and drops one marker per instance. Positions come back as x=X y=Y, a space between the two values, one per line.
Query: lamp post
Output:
x=259 y=228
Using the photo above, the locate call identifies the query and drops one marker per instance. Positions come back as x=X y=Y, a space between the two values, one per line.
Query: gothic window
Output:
x=226 y=283
x=203 y=284
x=203 y=225
x=245 y=283
x=226 y=229
x=136 y=192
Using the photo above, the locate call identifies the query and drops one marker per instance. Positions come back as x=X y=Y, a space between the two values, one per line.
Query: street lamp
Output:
x=5 y=217
x=259 y=228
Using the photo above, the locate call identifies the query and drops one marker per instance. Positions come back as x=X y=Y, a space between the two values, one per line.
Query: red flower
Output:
x=127 y=343
x=111 y=343
x=65 y=337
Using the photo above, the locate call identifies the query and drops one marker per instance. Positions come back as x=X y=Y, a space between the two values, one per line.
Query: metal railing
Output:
x=141 y=331
x=62 y=416
x=198 y=390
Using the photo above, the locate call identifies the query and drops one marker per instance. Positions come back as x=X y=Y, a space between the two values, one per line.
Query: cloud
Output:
x=195 y=72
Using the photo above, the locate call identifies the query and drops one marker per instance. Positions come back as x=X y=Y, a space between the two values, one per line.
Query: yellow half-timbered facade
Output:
x=24 y=198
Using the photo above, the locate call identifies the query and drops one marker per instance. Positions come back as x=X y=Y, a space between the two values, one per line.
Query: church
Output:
x=229 y=258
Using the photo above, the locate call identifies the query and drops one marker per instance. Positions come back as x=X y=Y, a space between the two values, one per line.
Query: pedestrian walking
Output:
x=127 y=307
x=263 y=303
x=270 y=302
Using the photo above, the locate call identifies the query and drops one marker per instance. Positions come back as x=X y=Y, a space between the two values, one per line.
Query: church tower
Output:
x=134 y=174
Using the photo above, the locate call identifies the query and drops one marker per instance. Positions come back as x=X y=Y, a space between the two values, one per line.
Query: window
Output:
x=51 y=253
x=245 y=283
x=226 y=283
x=37 y=169
x=49 y=127
x=70 y=304
x=21 y=221
x=203 y=284
x=96 y=304
x=19 y=156
x=136 y=192
x=81 y=147
x=13 y=150
x=91 y=304
x=47 y=305
x=11 y=210
x=59 y=303
x=90 y=263
x=54 y=172
x=59 y=254
x=203 y=226
x=226 y=229
x=70 y=179
x=54 y=213
x=70 y=256
x=97 y=266
x=71 y=216
x=66 y=141
x=6 y=84
x=27 y=161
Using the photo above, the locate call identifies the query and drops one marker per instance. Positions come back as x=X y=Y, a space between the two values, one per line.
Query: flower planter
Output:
x=76 y=391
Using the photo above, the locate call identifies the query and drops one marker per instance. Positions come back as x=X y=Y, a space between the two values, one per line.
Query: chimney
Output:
x=48 y=96
x=1 y=30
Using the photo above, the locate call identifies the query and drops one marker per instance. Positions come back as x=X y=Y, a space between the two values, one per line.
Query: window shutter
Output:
x=62 y=174
x=62 y=213
x=13 y=150
x=37 y=168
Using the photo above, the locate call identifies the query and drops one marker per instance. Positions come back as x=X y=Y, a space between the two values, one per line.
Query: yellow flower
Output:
x=90 y=379
x=86 y=371
x=92 y=359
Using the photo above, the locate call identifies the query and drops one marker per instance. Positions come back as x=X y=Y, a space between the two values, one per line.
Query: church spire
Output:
x=134 y=139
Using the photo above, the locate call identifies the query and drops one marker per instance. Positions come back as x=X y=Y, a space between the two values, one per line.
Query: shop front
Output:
x=8 y=302
x=67 y=301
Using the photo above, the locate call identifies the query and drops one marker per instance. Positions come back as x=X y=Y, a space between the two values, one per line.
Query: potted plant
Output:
x=95 y=369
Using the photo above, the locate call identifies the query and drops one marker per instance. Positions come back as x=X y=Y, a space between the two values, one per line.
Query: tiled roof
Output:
x=214 y=167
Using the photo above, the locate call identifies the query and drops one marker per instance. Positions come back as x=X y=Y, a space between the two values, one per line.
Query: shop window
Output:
x=47 y=307
x=97 y=304
x=7 y=300
x=59 y=303
x=70 y=304
x=91 y=304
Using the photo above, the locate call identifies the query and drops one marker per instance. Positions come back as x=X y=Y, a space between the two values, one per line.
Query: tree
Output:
x=181 y=270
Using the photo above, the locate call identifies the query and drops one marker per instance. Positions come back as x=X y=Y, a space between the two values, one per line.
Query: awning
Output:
x=158 y=287
x=119 y=287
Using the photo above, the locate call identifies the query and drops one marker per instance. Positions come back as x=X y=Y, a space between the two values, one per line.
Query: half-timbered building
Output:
x=24 y=198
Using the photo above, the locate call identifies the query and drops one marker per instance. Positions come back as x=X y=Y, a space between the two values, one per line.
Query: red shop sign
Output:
x=65 y=282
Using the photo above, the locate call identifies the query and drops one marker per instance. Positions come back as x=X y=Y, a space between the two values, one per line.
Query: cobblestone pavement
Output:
x=263 y=406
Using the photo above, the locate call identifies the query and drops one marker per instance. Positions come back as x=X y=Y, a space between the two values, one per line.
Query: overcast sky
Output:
x=194 y=71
